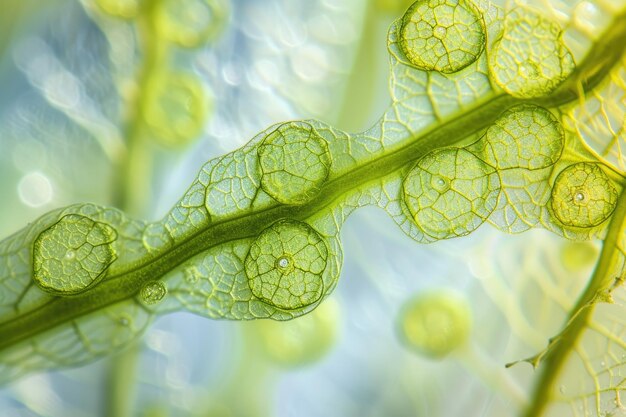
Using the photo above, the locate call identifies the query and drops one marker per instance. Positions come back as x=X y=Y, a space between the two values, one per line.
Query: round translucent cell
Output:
x=450 y=192
x=285 y=264
x=525 y=136
x=583 y=195
x=531 y=59
x=153 y=292
x=441 y=35
x=73 y=254
x=295 y=163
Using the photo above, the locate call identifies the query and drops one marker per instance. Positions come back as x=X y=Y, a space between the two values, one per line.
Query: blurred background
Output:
x=120 y=102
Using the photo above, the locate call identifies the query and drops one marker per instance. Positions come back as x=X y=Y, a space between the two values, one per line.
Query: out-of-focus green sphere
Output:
x=177 y=107
x=303 y=340
x=578 y=255
x=435 y=323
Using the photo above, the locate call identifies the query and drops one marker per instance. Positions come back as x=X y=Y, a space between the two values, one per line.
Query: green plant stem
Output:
x=130 y=277
x=120 y=382
x=132 y=183
x=560 y=347
x=132 y=192
x=249 y=224
x=358 y=98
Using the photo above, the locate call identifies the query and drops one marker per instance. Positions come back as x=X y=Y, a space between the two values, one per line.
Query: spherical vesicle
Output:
x=450 y=192
x=583 y=195
x=153 y=292
x=72 y=255
x=530 y=60
x=295 y=162
x=441 y=35
x=526 y=136
x=285 y=264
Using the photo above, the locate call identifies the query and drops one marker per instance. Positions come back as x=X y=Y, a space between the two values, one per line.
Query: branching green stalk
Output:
x=476 y=361
x=598 y=290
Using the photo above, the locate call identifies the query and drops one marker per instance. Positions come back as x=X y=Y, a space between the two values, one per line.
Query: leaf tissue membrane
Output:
x=484 y=127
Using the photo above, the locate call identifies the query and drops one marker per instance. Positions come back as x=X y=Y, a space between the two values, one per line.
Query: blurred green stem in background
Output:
x=132 y=184
x=121 y=382
x=132 y=191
